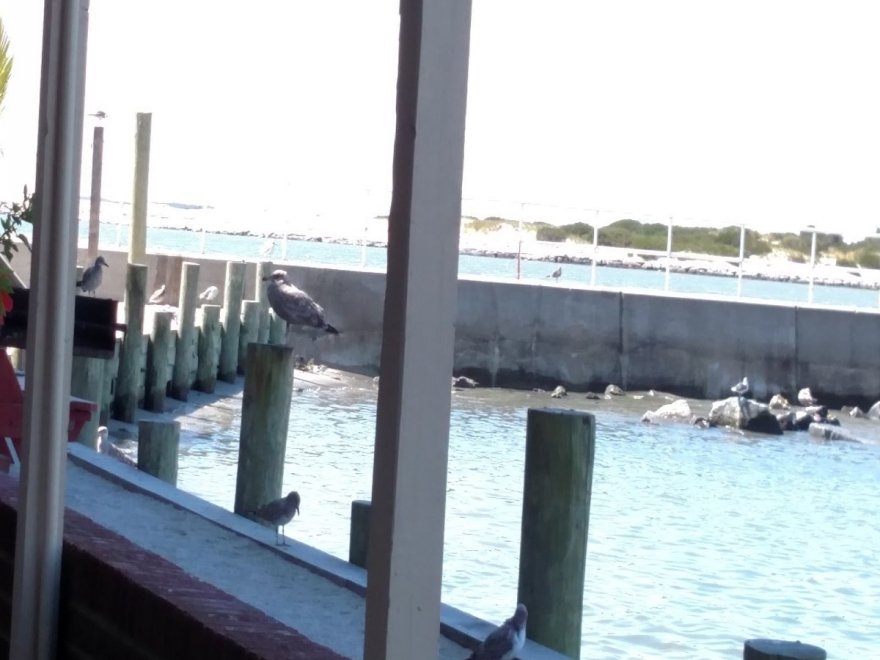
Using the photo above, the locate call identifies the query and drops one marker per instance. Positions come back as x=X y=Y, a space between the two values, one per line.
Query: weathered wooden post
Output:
x=87 y=382
x=158 y=443
x=111 y=374
x=128 y=379
x=186 y=330
x=250 y=328
x=158 y=362
x=560 y=448
x=264 y=269
x=95 y=201
x=265 y=412
x=277 y=329
x=137 y=245
x=231 y=328
x=772 y=649
x=209 y=348
x=359 y=536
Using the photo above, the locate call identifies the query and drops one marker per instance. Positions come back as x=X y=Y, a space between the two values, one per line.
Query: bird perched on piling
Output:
x=556 y=274
x=295 y=306
x=741 y=388
x=506 y=640
x=805 y=397
x=92 y=276
x=209 y=294
x=279 y=512
x=157 y=296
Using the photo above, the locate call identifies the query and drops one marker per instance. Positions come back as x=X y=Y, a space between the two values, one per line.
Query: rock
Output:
x=830 y=432
x=613 y=390
x=855 y=411
x=677 y=411
x=786 y=420
x=874 y=411
x=779 y=402
x=745 y=414
x=802 y=420
x=559 y=392
x=592 y=395
x=805 y=397
x=817 y=411
x=463 y=382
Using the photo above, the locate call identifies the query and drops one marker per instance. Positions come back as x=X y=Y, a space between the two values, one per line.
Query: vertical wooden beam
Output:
x=158 y=371
x=250 y=327
x=232 y=297
x=137 y=245
x=209 y=348
x=39 y=527
x=158 y=445
x=412 y=426
x=111 y=371
x=128 y=380
x=264 y=269
x=87 y=382
x=181 y=378
x=95 y=202
x=359 y=533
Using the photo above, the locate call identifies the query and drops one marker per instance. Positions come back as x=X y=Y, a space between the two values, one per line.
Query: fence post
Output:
x=359 y=536
x=231 y=328
x=128 y=381
x=209 y=348
x=265 y=412
x=158 y=362
x=181 y=377
x=560 y=448
x=158 y=443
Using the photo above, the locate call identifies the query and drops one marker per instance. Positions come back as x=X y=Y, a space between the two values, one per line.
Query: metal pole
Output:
x=39 y=529
x=742 y=252
x=668 y=252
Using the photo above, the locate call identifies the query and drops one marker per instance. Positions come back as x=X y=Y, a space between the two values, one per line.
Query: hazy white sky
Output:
x=763 y=112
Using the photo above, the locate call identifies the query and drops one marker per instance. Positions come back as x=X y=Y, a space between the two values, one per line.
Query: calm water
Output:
x=698 y=539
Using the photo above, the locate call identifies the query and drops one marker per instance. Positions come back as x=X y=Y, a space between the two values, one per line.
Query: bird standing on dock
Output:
x=109 y=449
x=279 y=513
x=92 y=276
x=741 y=388
x=209 y=294
x=157 y=296
x=506 y=640
x=556 y=274
x=268 y=248
x=295 y=306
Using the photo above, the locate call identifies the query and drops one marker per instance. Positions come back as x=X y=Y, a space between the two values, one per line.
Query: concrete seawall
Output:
x=511 y=333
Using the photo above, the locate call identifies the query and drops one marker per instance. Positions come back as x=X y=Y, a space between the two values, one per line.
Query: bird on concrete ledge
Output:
x=92 y=276
x=506 y=640
x=295 y=306
x=279 y=512
x=556 y=274
x=741 y=388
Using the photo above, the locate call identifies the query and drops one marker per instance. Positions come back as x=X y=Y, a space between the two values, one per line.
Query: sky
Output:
x=705 y=112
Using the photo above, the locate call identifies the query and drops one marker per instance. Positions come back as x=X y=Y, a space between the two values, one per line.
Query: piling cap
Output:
x=774 y=649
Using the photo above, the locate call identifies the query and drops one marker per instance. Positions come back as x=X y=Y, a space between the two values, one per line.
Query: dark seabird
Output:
x=92 y=276
x=158 y=295
x=556 y=274
x=209 y=294
x=100 y=114
x=742 y=387
x=506 y=640
x=279 y=513
x=295 y=306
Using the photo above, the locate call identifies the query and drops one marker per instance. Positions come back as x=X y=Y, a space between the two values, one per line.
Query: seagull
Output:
x=100 y=114
x=92 y=276
x=157 y=296
x=268 y=248
x=295 y=306
x=741 y=388
x=279 y=513
x=806 y=398
x=109 y=449
x=506 y=640
x=209 y=294
x=556 y=274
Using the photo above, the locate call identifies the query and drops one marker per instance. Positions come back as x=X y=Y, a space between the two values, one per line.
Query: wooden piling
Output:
x=137 y=245
x=250 y=328
x=111 y=373
x=359 y=536
x=277 y=329
x=158 y=444
x=209 y=348
x=158 y=362
x=560 y=448
x=95 y=201
x=128 y=379
x=772 y=649
x=87 y=382
x=264 y=269
x=186 y=331
x=265 y=412
x=231 y=327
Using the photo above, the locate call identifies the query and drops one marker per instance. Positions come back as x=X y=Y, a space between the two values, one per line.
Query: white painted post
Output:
x=95 y=200
x=742 y=252
x=137 y=245
x=284 y=249
x=405 y=556
x=668 y=252
x=204 y=242
x=595 y=249
x=812 y=264
x=39 y=529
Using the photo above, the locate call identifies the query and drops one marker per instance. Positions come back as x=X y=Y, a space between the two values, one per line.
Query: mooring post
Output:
x=95 y=200
x=209 y=348
x=128 y=380
x=560 y=448
x=137 y=245
x=158 y=443
x=231 y=328
x=277 y=329
x=264 y=269
x=265 y=412
x=359 y=536
x=111 y=373
x=181 y=376
x=250 y=328
x=87 y=382
x=772 y=649
x=159 y=351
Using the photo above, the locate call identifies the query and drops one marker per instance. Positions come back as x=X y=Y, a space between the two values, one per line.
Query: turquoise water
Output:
x=356 y=256
x=698 y=539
